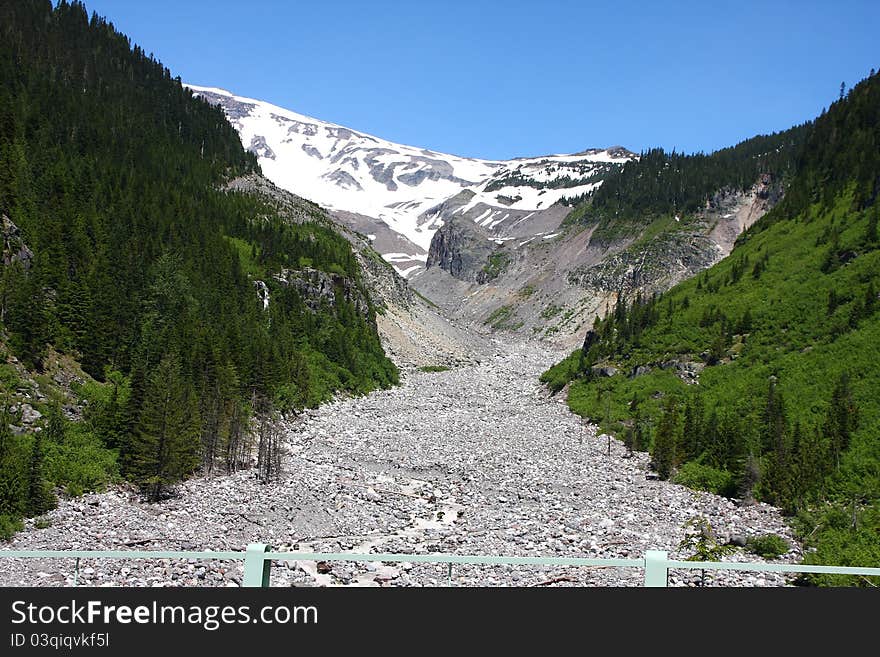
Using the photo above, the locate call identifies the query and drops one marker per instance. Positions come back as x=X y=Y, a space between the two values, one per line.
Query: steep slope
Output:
x=414 y=333
x=653 y=222
x=553 y=285
x=759 y=377
x=413 y=191
x=190 y=308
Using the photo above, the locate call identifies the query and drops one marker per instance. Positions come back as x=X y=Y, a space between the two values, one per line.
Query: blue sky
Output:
x=500 y=79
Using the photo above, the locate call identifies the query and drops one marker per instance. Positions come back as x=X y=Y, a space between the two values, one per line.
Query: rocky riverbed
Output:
x=478 y=460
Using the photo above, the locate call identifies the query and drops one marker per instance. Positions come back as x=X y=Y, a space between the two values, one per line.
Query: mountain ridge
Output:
x=405 y=187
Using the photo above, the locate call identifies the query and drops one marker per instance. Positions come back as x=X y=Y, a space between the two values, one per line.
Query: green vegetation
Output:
x=769 y=546
x=143 y=268
x=551 y=311
x=249 y=258
x=784 y=339
x=700 y=538
x=433 y=368
x=497 y=263
x=425 y=299
x=649 y=193
x=502 y=318
x=698 y=476
x=164 y=448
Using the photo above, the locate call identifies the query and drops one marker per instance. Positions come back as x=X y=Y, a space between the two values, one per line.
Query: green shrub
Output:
x=496 y=264
x=8 y=526
x=694 y=474
x=768 y=546
x=551 y=311
x=433 y=368
x=558 y=376
x=81 y=463
x=832 y=536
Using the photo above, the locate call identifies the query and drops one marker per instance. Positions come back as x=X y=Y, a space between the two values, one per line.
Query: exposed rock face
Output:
x=260 y=148
x=462 y=248
x=318 y=287
x=676 y=255
x=687 y=370
x=14 y=248
x=554 y=281
x=604 y=370
x=654 y=266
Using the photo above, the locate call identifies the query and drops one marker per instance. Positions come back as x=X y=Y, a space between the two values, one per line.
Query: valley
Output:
x=478 y=460
x=225 y=322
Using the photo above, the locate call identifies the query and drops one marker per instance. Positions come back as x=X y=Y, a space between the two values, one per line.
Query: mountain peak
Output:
x=406 y=188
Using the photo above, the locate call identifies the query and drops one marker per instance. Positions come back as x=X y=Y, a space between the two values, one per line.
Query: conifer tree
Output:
x=165 y=446
x=692 y=443
x=12 y=483
x=773 y=420
x=842 y=418
x=39 y=496
x=663 y=454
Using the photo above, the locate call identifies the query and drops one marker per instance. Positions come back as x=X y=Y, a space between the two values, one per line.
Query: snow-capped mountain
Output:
x=376 y=185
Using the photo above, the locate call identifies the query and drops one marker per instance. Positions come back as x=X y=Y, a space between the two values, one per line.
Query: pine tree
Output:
x=870 y=300
x=628 y=440
x=749 y=479
x=39 y=496
x=12 y=482
x=773 y=419
x=165 y=446
x=871 y=232
x=692 y=433
x=663 y=454
x=26 y=317
x=842 y=418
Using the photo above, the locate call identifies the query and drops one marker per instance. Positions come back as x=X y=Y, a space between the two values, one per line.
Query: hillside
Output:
x=551 y=286
x=660 y=184
x=758 y=378
x=190 y=308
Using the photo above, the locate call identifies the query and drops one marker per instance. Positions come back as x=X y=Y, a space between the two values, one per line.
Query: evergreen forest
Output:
x=143 y=271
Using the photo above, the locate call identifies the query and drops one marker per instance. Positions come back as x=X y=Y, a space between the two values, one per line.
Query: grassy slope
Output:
x=793 y=337
x=813 y=316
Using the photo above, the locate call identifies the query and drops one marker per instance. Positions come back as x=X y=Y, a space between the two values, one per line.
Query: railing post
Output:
x=257 y=569
x=655 y=568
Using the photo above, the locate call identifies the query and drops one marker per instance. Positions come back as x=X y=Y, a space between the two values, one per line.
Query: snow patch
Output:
x=345 y=169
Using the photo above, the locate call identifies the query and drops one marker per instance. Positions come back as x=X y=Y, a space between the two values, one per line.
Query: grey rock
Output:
x=14 y=248
x=738 y=539
x=441 y=451
x=462 y=248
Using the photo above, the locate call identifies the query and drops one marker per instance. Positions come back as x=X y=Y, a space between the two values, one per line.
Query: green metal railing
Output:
x=258 y=559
